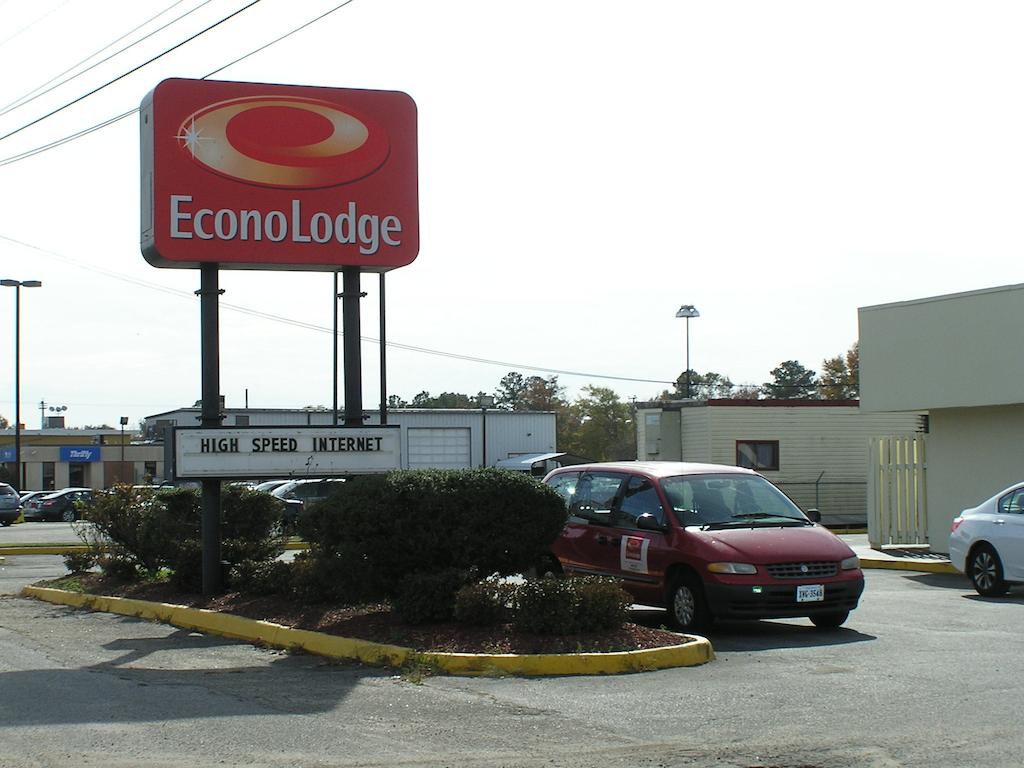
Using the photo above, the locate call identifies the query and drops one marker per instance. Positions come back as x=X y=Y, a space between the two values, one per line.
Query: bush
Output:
x=546 y=607
x=484 y=603
x=151 y=529
x=119 y=567
x=423 y=598
x=427 y=521
x=317 y=578
x=80 y=562
x=568 y=606
x=262 y=578
x=604 y=604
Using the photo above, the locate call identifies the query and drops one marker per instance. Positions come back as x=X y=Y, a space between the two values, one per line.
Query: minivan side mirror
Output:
x=814 y=515
x=648 y=522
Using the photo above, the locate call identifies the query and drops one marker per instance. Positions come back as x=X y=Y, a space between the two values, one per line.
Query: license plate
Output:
x=810 y=593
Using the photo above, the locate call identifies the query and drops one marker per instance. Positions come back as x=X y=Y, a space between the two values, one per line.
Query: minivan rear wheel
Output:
x=687 y=608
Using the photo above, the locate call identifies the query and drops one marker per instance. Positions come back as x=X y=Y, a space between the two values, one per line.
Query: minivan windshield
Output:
x=726 y=501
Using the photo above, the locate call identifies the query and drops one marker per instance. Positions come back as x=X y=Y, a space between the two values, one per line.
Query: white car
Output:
x=987 y=542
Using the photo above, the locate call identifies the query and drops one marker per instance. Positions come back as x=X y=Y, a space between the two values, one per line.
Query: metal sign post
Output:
x=209 y=307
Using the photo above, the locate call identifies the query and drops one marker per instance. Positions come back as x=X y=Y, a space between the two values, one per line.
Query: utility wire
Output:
x=33 y=23
x=322 y=329
x=110 y=121
x=38 y=91
x=130 y=71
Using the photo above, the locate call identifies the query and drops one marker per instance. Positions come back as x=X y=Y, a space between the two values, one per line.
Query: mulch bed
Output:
x=378 y=624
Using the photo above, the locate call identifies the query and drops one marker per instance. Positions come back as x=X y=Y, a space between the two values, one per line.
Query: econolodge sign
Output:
x=257 y=176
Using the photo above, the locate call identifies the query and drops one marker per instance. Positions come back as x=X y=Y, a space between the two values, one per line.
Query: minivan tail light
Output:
x=957 y=522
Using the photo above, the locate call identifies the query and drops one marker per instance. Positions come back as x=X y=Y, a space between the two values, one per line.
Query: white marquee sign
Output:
x=240 y=452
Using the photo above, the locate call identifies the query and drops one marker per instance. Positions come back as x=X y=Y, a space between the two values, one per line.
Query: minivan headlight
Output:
x=732 y=568
x=850 y=563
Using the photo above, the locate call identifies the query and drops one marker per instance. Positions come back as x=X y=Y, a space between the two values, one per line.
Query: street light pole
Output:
x=687 y=311
x=124 y=421
x=17 y=285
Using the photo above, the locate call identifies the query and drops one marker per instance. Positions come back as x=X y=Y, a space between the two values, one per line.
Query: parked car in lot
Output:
x=10 y=505
x=56 y=506
x=705 y=541
x=987 y=542
x=269 y=485
x=296 y=494
x=27 y=496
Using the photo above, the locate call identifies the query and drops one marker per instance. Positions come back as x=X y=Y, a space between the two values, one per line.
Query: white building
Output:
x=815 y=450
x=958 y=357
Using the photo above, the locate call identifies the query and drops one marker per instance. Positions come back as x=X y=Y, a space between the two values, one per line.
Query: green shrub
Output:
x=119 y=567
x=153 y=529
x=484 y=603
x=604 y=604
x=262 y=577
x=546 y=607
x=317 y=578
x=422 y=598
x=79 y=562
x=568 y=606
x=427 y=521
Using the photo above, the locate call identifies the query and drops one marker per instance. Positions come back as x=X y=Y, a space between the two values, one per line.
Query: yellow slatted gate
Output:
x=897 y=502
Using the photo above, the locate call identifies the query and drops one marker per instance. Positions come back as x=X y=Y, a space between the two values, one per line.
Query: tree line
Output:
x=599 y=425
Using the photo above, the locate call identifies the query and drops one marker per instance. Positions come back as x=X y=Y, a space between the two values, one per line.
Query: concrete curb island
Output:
x=693 y=651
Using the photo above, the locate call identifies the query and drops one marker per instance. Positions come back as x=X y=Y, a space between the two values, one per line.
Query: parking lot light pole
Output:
x=486 y=401
x=687 y=311
x=124 y=421
x=17 y=285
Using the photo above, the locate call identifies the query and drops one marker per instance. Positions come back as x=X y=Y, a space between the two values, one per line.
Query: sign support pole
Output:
x=209 y=294
x=383 y=359
x=351 y=346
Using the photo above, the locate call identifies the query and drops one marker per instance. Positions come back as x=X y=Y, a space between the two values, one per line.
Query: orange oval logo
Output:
x=283 y=141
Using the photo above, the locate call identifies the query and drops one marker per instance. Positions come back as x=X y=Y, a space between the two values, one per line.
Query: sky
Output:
x=585 y=168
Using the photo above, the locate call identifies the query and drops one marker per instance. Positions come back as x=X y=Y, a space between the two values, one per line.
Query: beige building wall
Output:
x=823 y=449
x=956 y=351
x=973 y=453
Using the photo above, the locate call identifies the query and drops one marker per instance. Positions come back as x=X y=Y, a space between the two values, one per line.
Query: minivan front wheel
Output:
x=68 y=516
x=687 y=608
x=830 y=620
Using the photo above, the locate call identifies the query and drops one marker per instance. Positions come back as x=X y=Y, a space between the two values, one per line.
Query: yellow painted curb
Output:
x=62 y=549
x=916 y=565
x=692 y=651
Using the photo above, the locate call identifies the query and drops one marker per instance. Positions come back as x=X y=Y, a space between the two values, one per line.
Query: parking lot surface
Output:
x=923 y=674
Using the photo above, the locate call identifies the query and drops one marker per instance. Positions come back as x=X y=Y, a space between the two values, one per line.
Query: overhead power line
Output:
x=42 y=90
x=110 y=121
x=323 y=329
x=129 y=72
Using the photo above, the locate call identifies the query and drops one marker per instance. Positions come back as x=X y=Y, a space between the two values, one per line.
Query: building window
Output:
x=49 y=476
x=77 y=474
x=757 y=454
x=150 y=471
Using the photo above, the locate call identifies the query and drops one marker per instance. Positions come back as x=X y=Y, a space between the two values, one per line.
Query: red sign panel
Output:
x=256 y=176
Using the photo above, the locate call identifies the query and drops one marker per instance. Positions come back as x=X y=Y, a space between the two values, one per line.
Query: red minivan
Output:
x=703 y=540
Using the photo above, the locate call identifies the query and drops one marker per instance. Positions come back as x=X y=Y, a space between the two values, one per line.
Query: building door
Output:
x=78 y=475
x=439 y=448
